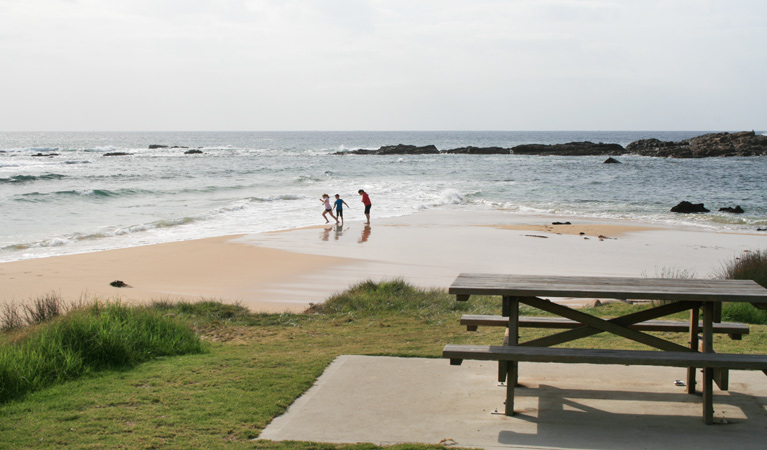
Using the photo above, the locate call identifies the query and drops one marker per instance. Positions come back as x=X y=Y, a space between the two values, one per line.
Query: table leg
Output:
x=511 y=305
x=708 y=372
x=694 y=318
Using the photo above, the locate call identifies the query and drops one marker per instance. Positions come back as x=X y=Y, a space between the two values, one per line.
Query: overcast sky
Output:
x=98 y=65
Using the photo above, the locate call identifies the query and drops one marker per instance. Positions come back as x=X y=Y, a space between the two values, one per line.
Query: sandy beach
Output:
x=288 y=270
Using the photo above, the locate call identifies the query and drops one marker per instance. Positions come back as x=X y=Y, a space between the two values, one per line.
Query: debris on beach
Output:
x=561 y=223
x=537 y=236
x=119 y=284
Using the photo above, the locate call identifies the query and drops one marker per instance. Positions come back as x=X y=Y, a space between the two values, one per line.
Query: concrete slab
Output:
x=386 y=400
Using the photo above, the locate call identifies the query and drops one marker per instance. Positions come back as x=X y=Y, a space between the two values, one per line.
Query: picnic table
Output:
x=703 y=298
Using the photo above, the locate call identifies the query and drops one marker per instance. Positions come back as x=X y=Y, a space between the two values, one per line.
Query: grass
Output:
x=749 y=266
x=256 y=366
x=37 y=310
x=88 y=339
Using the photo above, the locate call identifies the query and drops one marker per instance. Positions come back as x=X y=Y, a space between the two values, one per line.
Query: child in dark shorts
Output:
x=366 y=202
x=340 y=208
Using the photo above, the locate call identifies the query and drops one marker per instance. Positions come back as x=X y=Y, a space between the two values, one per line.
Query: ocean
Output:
x=60 y=194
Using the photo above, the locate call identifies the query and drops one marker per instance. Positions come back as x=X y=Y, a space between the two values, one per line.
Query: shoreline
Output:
x=288 y=270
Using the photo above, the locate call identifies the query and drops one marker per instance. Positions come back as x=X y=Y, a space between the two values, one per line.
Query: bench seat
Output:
x=472 y=321
x=457 y=353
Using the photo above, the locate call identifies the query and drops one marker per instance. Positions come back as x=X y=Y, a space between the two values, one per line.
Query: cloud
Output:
x=381 y=64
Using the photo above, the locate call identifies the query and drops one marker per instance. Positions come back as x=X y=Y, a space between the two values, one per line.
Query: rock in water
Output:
x=686 y=207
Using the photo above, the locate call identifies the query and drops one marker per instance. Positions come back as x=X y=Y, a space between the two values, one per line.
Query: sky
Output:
x=253 y=65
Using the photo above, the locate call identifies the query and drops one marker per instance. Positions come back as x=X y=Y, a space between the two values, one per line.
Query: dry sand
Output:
x=286 y=271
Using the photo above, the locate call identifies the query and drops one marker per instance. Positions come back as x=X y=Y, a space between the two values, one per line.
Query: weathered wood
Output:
x=473 y=321
x=674 y=289
x=512 y=367
x=595 y=325
x=682 y=294
x=603 y=356
x=708 y=371
x=722 y=378
x=695 y=326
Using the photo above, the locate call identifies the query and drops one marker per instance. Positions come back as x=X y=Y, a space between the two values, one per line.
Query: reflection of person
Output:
x=365 y=234
x=328 y=208
x=366 y=202
x=340 y=209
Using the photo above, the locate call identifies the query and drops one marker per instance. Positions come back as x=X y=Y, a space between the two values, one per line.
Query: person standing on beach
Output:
x=328 y=208
x=366 y=202
x=340 y=208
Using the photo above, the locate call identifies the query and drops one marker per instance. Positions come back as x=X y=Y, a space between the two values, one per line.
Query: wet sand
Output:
x=288 y=270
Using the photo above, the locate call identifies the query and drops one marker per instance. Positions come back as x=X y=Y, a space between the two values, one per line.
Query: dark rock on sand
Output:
x=480 y=151
x=686 y=207
x=735 y=210
x=116 y=154
x=611 y=160
x=193 y=152
x=744 y=143
x=569 y=149
x=118 y=284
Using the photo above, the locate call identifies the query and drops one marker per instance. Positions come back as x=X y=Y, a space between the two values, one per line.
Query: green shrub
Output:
x=749 y=266
x=211 y=310
x=397 y=296
x=98 y=337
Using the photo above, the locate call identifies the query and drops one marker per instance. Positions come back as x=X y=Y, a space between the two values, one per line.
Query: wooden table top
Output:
x=674 y=289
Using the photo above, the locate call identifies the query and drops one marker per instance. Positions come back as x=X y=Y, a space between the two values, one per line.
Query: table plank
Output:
x=673 y=289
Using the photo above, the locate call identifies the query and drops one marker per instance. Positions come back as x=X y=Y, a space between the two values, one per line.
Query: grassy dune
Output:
x=213 y=375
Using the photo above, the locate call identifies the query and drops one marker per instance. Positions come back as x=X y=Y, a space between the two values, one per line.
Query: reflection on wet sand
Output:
x=365 y=234
x=338 y=231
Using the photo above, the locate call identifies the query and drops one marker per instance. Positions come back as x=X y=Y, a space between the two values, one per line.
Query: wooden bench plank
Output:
x=457 y=353
x=472 y=321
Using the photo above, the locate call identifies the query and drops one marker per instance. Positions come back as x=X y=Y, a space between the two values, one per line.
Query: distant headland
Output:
x=744 y=143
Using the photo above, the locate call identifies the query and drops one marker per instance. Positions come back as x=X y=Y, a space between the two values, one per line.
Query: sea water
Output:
x=60 y=194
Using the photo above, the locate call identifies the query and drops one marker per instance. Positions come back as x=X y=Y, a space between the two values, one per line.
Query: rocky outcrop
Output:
x=117 y=154
x=744 y=143
x=399 y=149
x=735 y=210
x=570 y=149
x=686 y=207
x=193 y=152
x=611 y=160
x=156 y=146
x=479 y=151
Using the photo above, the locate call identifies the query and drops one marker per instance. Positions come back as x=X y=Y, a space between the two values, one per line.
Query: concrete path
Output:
x=574 y=406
